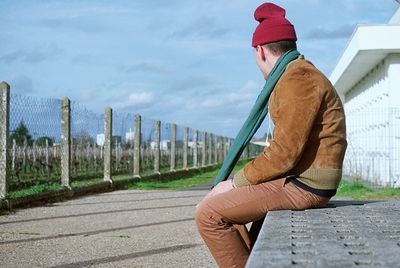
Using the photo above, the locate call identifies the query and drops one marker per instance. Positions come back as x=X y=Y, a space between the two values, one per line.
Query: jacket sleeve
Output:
x=297 y=102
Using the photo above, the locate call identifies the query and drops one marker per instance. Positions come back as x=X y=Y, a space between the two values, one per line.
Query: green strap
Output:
x=256 y=116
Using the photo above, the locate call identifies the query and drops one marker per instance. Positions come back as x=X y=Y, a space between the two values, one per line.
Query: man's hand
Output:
x=220 y=188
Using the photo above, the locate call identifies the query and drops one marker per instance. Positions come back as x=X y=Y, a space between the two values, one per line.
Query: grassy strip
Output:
x=40 y=188
x=359 y=191
x=180 y=183
x=84 y=183
x=76 y=184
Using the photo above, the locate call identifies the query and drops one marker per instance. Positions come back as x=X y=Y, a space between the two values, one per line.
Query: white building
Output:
x=164 y=144
x=130 y=136
x=367 y=78
x=100 y=138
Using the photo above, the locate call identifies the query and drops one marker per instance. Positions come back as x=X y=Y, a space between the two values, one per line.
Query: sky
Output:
x=184 y=62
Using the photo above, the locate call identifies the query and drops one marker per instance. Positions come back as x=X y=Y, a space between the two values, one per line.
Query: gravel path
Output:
x=131 y=228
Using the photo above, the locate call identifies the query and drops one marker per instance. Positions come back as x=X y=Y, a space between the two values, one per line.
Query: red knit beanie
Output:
x=273 y=25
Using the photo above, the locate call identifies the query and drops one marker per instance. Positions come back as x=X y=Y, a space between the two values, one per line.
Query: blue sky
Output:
x=188 y=62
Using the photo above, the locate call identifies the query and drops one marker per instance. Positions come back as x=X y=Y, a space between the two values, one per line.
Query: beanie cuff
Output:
x=275 y=33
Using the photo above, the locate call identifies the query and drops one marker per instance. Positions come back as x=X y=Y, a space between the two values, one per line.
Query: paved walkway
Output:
x=134 y=228
x=129 y=228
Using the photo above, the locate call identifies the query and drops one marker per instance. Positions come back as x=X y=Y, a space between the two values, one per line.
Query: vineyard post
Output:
x=215 y=149
x=203 y=148
x=195 y=141
x=137 y=143
x=185 y=147
x=209 y=148
x=173 y=146
x=157 y=147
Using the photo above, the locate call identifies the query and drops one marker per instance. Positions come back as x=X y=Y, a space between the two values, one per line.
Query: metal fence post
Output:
x=203 y=148
x=224 y=140
x=229 y=144
x=185 y=147
x=65 y=142
x=137 y=143
x=4 y=130
x=47 y=155
x=215 y=149
x=14 y=154
x=221 y=150
x=108 y=144
x=173 y=146
x=195 y=140
x=157 y=147
x=209 y=148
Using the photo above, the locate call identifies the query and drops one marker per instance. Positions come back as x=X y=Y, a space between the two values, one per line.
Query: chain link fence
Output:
x=373 y=151
x=147 y=146
x=122 y=143
x=87 y=129
x=40 y=154
x=34 y=140
x=165 y=147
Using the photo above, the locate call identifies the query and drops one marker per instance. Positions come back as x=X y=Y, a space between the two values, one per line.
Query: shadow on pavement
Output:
x=96 y=213
x=127 y=256
x=94 y=232
x=123 y=201
x=203 y=187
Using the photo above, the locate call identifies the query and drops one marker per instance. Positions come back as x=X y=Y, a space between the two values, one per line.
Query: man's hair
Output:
x=280 y=47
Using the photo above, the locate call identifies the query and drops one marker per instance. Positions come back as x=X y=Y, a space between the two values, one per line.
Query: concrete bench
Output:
x=344 y=234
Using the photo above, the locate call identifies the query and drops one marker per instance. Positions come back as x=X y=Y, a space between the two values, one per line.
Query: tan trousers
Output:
x=221 y=219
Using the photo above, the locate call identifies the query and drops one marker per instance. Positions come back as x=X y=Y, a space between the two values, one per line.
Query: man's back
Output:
x=309 y=138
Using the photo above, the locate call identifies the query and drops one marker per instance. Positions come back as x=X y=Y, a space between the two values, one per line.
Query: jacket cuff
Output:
x=240 y=180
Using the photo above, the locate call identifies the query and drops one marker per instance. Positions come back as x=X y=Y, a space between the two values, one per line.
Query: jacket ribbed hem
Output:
x=240 y=180
x=321 y=178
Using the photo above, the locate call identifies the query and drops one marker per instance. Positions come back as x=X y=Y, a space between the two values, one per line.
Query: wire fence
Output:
x=86 y=153
x=373 y=151
x=122 y=143
x=147 y=146
x=36 y=146
x=35 y=153
x=165 y=147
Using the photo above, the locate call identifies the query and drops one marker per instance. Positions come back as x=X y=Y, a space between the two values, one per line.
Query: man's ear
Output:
x=262 y=53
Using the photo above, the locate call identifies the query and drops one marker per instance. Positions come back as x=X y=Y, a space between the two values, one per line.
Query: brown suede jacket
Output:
x=309 y=138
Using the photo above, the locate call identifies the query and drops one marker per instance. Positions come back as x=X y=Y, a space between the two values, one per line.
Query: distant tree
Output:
x=20 y=134
x=83 y=138
x=41 y=141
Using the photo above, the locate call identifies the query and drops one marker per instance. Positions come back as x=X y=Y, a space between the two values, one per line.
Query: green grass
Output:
x=84 y=183
x=359 y=191
x=180 y=183
x=41 y=188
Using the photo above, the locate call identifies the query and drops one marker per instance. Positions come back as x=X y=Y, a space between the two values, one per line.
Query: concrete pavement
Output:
x=130 y=228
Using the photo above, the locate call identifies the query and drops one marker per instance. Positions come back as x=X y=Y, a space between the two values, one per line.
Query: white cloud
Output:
x=134 y=100
x=244 y=96
x=33 y=55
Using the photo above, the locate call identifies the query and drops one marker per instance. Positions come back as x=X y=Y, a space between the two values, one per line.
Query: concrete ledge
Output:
x=35 y=199
x=345 y=234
